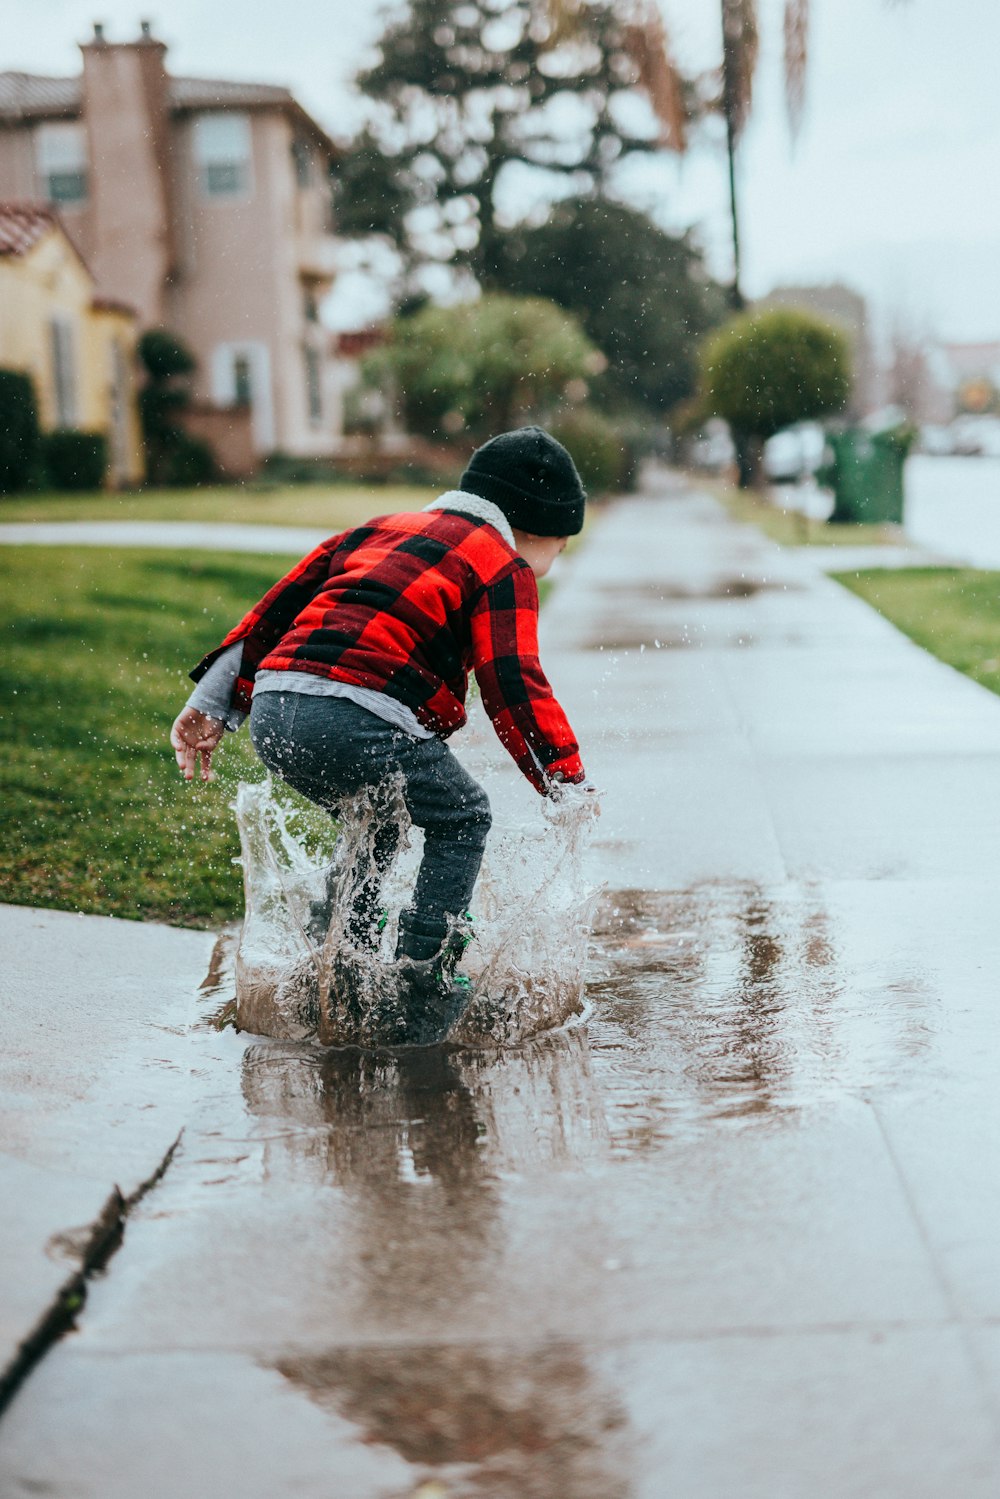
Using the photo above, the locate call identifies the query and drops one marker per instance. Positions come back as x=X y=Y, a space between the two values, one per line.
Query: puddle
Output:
x=643 y=628
x=736 y=1003
x=719 y=1005
x=722 y=588
x=667 y=640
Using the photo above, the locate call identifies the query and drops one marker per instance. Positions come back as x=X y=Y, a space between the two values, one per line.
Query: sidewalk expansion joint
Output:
x=951 y=1300
x=103 y=1238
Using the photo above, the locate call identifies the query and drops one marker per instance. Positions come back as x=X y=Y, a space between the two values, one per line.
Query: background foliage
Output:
x=482 y=367
x=642 y=295
x=767 y=370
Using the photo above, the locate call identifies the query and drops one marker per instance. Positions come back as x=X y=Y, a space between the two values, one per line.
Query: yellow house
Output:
x=78 y=349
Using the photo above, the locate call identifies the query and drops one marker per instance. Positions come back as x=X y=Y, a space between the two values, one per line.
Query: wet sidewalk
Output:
x=733 y=1237
x=206 y=536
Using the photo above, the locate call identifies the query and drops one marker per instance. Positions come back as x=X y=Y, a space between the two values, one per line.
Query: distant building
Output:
x=207 y=206
x=846 y=308
x=969 y=376
x=77 y=347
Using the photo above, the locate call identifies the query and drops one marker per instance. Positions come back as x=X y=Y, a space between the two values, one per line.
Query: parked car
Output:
x=937 y=441
x=976 y=436
x=713 y=448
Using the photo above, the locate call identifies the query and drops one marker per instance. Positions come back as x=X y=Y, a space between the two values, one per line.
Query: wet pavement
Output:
x=89 y=1106
x=203 y=536
x=732 y=1236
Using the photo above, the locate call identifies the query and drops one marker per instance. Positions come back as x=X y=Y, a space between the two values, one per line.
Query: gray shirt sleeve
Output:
x=214 y=693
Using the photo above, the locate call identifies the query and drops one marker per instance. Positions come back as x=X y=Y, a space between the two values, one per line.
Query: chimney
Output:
x=126 y=111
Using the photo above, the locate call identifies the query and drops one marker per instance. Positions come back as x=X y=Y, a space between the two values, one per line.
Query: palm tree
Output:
x=740 y=46
x=647 y=41
x=732 y=96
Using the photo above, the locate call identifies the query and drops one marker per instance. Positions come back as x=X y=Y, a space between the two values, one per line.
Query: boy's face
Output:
x=539 y=552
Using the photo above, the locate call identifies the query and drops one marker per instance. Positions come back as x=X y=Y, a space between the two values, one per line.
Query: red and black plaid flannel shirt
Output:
x=406 y=605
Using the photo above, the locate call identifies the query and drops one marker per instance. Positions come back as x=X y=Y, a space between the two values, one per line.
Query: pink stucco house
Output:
x=206 y=205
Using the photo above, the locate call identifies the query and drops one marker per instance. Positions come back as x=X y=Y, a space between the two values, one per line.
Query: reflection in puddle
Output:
x=721 y=614
x=429 y=1114
x=420 y=1142
x=733 y=1003
x=617 y=643
x=425 y=1144
x=534 y=1423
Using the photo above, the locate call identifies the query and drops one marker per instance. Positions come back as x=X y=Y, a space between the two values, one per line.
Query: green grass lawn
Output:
x=952 y=612
x=791 y=528
x=96 y=646
x=332 y=506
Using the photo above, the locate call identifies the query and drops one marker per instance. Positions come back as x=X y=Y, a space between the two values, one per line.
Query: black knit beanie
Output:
x=532 y=479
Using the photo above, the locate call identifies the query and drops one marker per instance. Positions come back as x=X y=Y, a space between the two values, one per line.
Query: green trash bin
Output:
x=866 y=475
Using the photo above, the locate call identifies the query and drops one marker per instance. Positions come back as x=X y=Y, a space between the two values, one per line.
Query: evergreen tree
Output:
x=467 y=92
x=642 y=295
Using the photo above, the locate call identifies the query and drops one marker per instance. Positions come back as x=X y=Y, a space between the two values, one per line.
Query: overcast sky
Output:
x=892 y=186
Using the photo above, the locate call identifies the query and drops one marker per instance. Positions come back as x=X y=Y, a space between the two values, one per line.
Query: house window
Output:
x=241 y=374
x=314 y=392
x=222 y=154
x=242 y=380
x=63 y=371
x=61 y=155
x=302 y=159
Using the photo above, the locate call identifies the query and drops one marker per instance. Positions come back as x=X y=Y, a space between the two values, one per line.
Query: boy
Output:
x=358 y=661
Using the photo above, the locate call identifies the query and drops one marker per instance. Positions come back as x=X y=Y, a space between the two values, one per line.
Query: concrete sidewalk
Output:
x=206 y=536
x=90 y=1106
x=735 y=1237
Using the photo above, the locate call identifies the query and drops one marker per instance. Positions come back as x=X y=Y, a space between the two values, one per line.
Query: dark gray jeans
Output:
x=328 y=749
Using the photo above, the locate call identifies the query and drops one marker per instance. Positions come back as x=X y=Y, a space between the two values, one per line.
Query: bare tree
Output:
x=909 y=382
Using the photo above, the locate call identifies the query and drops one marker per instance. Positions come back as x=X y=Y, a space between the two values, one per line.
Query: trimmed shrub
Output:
x=164 y=355
x=172 y=457
x=188 y=463
x=74 y=459
x=765 y=370
x=595 y=446
x=19 y=435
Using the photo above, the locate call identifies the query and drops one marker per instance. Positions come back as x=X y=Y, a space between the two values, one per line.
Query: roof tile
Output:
x=30 y=95
x=22 y=225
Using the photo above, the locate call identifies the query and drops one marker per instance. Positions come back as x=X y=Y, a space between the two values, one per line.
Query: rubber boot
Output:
x=433 y=996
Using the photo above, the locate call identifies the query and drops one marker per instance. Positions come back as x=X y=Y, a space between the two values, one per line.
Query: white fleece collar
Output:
x=475 y=505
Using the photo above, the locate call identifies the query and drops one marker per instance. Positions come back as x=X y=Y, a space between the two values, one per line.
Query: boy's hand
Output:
x=567 y=794
x=194 y=734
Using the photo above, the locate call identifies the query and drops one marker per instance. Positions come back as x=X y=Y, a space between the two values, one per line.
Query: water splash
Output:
x=533 y=914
